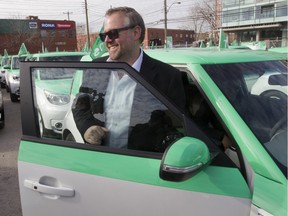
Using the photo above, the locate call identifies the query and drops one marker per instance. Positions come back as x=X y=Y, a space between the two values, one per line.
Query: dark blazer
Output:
x=162 y=76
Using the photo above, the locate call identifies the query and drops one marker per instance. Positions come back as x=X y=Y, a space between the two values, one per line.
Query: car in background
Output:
x=53 y=98
x=194 y=174
x=56 y=56
x=283 y=50
x=4 y=61
x=2 y=115
x=272 y=84
x=12 y=77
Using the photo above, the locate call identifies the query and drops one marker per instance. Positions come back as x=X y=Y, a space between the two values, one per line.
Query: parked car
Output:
x=12 y=77
x=53 y=91
x=4 y=61
x=271 y=84
x=194 y=174
x=2 y=115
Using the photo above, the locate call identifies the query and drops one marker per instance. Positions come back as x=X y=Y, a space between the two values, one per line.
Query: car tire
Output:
x=70 y=137
x=2 y=123
x=278 y=95
x=3 y=85
x=43 y=131
x=13 y=97
x=7 y=88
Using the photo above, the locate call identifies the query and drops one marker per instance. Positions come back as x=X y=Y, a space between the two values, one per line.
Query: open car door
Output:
x=66 y=176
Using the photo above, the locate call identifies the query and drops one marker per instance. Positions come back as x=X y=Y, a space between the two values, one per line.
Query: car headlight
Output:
x=57 y=99
x=16 y=78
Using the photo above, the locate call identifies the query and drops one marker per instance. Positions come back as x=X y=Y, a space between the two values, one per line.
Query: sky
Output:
x=151 y=10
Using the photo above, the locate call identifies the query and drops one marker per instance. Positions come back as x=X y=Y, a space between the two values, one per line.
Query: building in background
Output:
x=154 y=37
x=38 y=35
x=254 y=20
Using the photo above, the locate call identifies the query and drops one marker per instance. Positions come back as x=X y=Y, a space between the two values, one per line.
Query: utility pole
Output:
x=165 y=22
x=87 y=25
x=68 y=14
x=166 y=10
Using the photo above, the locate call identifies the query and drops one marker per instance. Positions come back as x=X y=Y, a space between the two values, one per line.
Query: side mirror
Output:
x=278 y=79
x=183 y=159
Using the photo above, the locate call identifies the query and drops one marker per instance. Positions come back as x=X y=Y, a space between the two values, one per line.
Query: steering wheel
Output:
x=279 y=126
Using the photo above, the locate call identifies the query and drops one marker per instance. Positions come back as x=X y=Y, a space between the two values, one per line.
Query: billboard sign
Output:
x=33 y=25
x=48 y=25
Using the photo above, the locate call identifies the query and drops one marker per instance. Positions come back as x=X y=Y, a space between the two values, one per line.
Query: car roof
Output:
x=66 y=53
x=212 y=55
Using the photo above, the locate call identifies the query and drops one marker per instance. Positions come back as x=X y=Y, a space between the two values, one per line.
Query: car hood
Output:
x=61 y=86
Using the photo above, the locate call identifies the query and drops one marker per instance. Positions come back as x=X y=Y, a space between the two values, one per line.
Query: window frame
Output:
x=29 y=114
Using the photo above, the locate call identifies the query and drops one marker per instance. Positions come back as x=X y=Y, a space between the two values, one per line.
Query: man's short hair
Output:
x=134 y=18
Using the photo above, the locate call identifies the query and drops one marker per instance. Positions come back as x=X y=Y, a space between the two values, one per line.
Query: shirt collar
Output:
x=137 y=64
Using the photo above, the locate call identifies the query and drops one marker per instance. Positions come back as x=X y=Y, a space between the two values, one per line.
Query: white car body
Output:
x=262 y=85
x=53 y=104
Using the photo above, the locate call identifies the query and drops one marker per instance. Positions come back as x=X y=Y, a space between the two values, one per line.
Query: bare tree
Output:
x=21 y=34
x=203 y=17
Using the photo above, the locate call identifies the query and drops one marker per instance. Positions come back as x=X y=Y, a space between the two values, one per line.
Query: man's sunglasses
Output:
x=114 y=33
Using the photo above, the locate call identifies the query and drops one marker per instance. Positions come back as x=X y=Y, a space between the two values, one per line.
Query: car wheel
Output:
x=70 y=137
x=2 y=122
x=43 y=131
x=13 y=97
x=278 y=95
x=7 y=88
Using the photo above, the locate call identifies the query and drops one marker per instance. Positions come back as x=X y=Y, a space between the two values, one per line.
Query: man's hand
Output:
x=95 y=134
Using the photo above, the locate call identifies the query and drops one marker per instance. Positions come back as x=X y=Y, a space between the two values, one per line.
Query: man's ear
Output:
x=137 y=32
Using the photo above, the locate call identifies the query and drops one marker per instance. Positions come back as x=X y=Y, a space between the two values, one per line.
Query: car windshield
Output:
x=5 y=61
x=258 y=92
x=58 y=73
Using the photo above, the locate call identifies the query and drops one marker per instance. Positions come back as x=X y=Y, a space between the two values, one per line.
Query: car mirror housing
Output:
x=183 y=159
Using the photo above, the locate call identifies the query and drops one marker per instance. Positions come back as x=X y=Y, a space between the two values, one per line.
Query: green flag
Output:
x=85 y=48
x=98 y=48
x=22 y=50
x=222 y=40
x=5 y=54
x=202 y=44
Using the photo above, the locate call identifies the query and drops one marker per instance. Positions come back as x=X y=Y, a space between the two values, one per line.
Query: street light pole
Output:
x=165 y=22
x=166 y=10
x=87 y=25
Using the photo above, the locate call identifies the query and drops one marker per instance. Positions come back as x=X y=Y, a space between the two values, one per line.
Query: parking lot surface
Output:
x=9 y=144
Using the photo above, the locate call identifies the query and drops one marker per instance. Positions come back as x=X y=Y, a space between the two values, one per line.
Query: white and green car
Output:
x=12 y=77
x=53 y=91
x=195 y=174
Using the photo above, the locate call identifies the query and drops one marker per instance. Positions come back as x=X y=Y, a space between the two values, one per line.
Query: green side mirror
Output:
x=183 y=159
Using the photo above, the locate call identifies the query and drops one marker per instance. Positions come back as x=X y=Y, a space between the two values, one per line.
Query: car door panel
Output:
x=106 y=183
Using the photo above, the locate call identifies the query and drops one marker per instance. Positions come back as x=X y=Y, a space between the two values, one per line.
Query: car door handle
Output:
x=46 y=189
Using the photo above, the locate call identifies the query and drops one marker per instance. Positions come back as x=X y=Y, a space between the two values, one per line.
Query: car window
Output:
x=150 y=125
x=258 y=91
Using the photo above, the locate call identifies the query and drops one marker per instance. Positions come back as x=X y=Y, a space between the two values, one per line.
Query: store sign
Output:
x=48 y=25
x=63 y=25
x=33 y=25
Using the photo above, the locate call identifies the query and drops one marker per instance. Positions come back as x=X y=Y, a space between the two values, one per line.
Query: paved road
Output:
x=9 y=144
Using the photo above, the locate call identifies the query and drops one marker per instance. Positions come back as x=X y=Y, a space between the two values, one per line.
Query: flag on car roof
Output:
x=22 y=50
x=222 y=40
x=6 y=53
x=85 y=48
x=99 y=47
